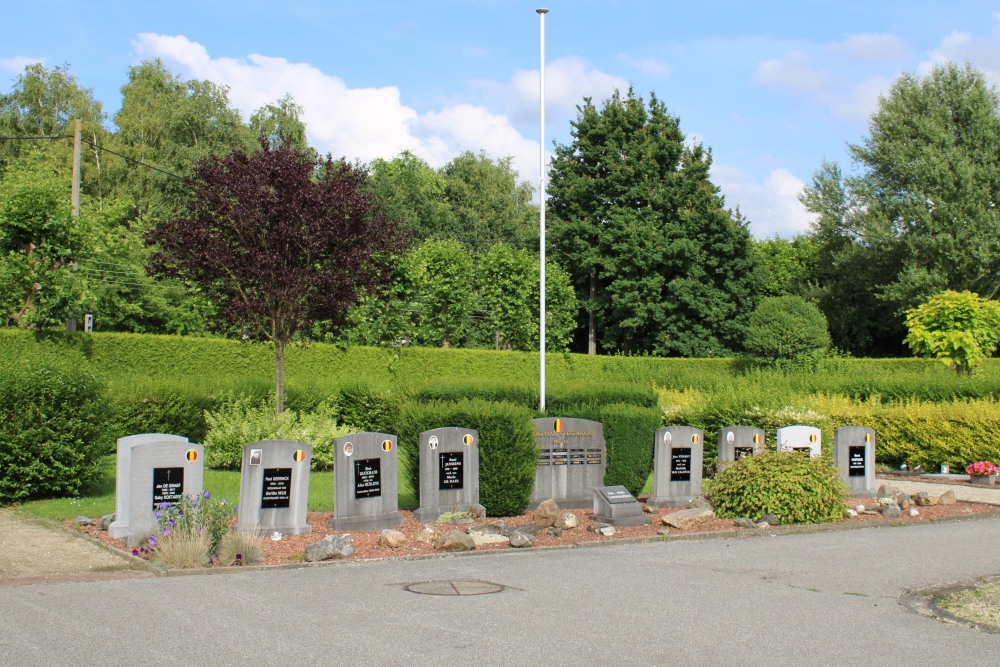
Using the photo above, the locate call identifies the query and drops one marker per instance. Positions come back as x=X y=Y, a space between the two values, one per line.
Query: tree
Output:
x=504 y=272
x=412 y=193
x=658 y=263
x=786 y=266
x=280 y=124
x=959 y=328
x=441 y=273
x=787 y=328
x=276 y=246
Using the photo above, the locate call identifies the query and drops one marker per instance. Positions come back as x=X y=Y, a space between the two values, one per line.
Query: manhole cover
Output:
x=455 y=587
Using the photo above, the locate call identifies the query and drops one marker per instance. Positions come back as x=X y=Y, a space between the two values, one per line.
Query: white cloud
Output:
x=961 y=47
x=359 y=123
x=794 y=71
x=771 y=206
x=870 y=48
x=649 y=65
x=17 y=64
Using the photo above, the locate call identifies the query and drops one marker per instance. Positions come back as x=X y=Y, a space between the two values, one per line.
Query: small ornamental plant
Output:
x=981 y=468
x=197 y=523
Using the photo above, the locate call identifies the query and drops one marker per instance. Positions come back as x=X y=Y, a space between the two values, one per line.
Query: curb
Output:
x=923 y=602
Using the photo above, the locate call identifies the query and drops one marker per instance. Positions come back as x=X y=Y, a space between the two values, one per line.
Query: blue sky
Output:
x=772 y=87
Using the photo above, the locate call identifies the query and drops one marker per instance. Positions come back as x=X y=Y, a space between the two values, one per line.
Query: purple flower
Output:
x=152 y=540
x=239 y=557
x=236 y=508
x=207 y=495
x=170 y=522
x=135 y=552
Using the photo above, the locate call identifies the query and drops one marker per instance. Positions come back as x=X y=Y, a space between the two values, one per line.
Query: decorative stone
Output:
x=107 y=520
x=914 y=511
x=501 y=525
x=744 y=522
x=762 y=524
x=391 y=538
x=596 y=526
x=647 y=509
x=483 y=538
x=947 y=498
x=85 y=521
x=903 y=500
x=932 y=501
x=329 y=548
x=663 y=532
x=462 y=520
x=890 y=509
x=547 y=513
x=851 y=513
x=529 y=528
x=869 y=512
x=555 y=531
x=521 y=540
x=859 y=509
x=920 y=499
x=886 y=491
x=701 y=503
x=771 y=520
x=486 y=529
x=616 y=506
x=427 y=534
x=688 y=519
x=567 y=520
x=455 y=540
x=607 y=531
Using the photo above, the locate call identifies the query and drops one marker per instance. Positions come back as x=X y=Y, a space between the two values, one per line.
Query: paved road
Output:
x=812 y=599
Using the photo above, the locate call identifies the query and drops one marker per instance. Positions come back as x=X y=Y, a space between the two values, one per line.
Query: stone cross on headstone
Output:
x=798 y=438
x=678 y=461
x=274 y=487
x=366 y=488
x=449 y=473
x=854 y=456
x=572 y=460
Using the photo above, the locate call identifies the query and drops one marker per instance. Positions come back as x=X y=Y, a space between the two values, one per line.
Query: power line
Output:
x=41 y=136
x=132 y=159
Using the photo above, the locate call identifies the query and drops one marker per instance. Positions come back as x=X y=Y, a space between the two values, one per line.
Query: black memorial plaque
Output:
x=680 y=464
x=856 y=461
x=276 y=492
x=742 y=452
x=367 y=478
x=168 y=486
x=451 y=470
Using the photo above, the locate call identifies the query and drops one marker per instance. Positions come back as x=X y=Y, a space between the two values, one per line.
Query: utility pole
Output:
x=75 y=196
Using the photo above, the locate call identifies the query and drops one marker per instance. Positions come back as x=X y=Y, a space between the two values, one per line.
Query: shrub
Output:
x=241 y=547
x=367 y=408
x=793 y=487
x=182 y=550
x=148 y=407
x=959 y=328
x=507 y=452
x=242 y=420
x=785 y=328
x=52 y=419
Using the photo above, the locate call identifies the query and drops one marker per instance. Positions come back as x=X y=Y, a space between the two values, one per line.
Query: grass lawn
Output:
x=99 y=499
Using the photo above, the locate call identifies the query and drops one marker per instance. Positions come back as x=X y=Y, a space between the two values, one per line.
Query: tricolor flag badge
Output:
x=558 y=426
x=756 y=438
x=694 y=438
x=812 y=437
x=387 y=445
x=192 y=455
x=300 y=455
x=467 y=439
x=868 y=437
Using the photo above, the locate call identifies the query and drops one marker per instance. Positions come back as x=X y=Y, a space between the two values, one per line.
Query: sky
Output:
x=773 y=87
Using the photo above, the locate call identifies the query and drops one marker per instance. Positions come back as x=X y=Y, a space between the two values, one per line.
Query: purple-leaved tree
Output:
x=278 y=241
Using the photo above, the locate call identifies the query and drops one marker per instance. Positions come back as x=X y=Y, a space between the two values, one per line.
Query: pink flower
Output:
x=981 y=468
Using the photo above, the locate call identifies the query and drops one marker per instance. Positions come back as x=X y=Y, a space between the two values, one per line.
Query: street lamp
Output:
x=541 y=211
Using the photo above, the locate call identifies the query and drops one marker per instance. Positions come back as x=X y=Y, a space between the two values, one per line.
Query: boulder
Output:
x=920 y=499
x=486 y=529
x=547 y=513
x=596 y=526
x=851 y=513
x=455 y=540
x=744 y=522
x=555 y=531
x=394 y=539
x=481 y=538
x=521 y=540
x=329 y=548
x=903 y=500
x=887 y=491
x=647 y=509
x=947 y=498
x=427 y=534
x=85 y=521
x=107 y=520
x=769 y=519
x=689 y=518
x=701 y=503
x=890 y=509
x=606 y=531
x=567 y=520
x=462 y=519
x=530 y=528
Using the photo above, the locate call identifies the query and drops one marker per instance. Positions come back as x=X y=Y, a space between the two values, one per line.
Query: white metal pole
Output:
x=541 y=209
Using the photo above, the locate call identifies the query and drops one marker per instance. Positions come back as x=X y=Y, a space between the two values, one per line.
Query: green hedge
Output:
x=561 y=397
x=53 y=413
x=507 y=452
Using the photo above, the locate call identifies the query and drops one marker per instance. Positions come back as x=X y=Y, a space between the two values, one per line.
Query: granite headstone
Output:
x=678 y=461
x=736 y=442
x=274 y=487
x=449 y=473
x=854 y=456
x=572 y=460
x=366 y=488
x=803 y=439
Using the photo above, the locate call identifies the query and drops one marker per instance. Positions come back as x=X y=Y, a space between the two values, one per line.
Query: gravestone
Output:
x=614 y=505
x=366 y=489
x=274 y=487
x=124 y=483
x=159 y=472
x=736 y=442
x=678 y=459
x=804 y=439
x=854 y=456
x=449 y=473
x=572 y=460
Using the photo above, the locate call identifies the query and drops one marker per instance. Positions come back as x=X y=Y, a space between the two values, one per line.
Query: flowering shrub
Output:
x=194 y=516
x=981 y=468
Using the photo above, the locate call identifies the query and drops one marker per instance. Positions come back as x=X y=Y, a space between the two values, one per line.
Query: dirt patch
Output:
x=33 y=551
x=290 y=548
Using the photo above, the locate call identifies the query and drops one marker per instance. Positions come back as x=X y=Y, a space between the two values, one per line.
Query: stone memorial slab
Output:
x=614 y=505
x=804 y=439
x=854 y=456
x=274 y=487
x=161 y=474
x=572 y=460
x=119 y=528
x=735 y=442
x=366 y=487
x=449 y=473
x=678 y=462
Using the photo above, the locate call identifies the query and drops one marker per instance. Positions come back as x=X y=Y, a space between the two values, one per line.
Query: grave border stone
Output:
x=670 y=488
x=435 y=501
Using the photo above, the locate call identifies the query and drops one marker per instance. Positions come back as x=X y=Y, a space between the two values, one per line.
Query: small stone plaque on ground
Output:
x=616 y=506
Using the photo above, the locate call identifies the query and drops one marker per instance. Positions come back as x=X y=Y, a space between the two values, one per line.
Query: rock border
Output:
x=923 y=602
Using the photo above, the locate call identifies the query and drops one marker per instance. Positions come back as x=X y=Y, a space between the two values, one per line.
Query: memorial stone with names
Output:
x=854 y=456
x=678 y=462
x=798 y=438
x=160 y=472
x=572 y=460
x=274 y=487
x=614 y=505
x=736 y=442
x=449 y=473
x=366 y=487
x=119 y=528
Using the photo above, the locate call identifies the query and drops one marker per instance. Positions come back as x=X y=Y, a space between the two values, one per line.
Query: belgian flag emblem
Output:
x=467 y=439
x=812 y=437
x=756 y=438
x=694 y=438
x=387 y=445
x=299 y=456
x=868 y=437
x=192 y=455
x=558 y=426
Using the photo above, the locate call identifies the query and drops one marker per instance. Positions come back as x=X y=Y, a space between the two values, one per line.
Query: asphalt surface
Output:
x=826 y=598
